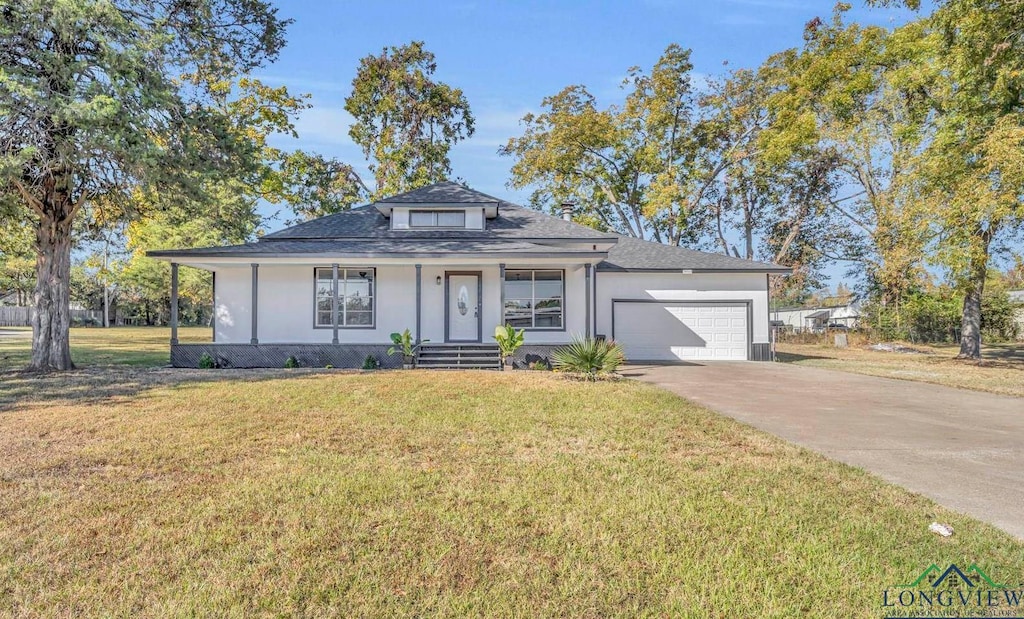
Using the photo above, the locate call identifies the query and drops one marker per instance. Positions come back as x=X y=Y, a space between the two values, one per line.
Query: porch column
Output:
x=334 y=303
x=419 y=295
x=174 y=303
x=586 y=270
x=255 y=296
x=501 y=286
x=213 y=314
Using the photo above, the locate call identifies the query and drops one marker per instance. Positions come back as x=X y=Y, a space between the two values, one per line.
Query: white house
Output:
x=815 y=319
x=450 y=264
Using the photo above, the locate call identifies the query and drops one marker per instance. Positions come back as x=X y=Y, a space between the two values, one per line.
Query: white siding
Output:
x=682 y=287
x=286 y=304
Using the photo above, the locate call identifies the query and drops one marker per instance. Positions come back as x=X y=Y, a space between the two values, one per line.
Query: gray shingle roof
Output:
x=631 y=254
x=364 y=231
x=381 y=247
x=445 y=192
x=513 y=221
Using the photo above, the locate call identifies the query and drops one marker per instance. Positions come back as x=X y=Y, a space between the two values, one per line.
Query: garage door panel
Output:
x=670 y=331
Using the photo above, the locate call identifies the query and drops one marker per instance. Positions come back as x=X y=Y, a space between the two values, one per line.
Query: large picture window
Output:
x=437 y=219
x=533 y=299
x=356 y=292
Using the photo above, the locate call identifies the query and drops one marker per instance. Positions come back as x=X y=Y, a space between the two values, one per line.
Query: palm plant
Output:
x=589 y=356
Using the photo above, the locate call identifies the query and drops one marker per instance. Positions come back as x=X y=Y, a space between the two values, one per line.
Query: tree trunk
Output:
x=52 y=320
x=970 y=323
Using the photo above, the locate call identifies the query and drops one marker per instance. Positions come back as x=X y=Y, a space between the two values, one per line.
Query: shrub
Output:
x=291 y=362
x=589 y=356
x=206 y=362
x=371 y=363
x=509 y=340
x=541 y=366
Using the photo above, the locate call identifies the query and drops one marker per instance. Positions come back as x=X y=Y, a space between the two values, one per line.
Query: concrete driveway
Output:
x=961 y=448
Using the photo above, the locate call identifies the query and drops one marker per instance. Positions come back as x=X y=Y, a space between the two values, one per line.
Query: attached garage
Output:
x=652 y=330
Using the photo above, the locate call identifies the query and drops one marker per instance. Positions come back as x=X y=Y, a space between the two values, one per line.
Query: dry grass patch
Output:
x=236 y=493
x=1000 y=371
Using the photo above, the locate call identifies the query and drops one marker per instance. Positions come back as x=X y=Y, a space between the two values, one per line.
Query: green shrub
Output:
x=371 y=363
x=291 y=362
x=206 y=362
x=540 y=366
x=589 y=356
x=509 y=340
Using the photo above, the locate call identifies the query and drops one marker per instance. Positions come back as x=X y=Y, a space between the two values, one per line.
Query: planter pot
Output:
x=408 y=363
x=407 y=366
x=507 y=365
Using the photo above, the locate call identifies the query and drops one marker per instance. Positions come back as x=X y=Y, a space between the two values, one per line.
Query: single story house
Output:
x=816 y=319
x=450 y=264
x=1017 y=299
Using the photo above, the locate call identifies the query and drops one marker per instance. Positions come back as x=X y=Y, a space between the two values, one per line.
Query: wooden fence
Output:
x=22 y=316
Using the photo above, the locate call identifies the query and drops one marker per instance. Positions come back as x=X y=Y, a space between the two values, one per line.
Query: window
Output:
x=437 y=219
x=355 y=297
x=533 y=299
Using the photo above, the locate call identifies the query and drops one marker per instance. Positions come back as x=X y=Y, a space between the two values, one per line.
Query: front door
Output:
x=463 y=307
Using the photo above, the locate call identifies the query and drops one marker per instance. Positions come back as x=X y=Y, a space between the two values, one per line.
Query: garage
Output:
x=650 y=330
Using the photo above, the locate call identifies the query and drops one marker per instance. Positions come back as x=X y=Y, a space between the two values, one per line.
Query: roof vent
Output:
x=567 y=210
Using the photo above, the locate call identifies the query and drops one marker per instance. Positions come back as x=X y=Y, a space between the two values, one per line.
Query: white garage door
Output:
x=673 y=331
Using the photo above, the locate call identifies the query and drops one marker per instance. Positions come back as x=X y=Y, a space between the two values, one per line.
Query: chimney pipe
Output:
x=567 y=210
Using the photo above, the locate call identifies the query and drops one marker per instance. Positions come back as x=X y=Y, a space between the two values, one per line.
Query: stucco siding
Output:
x=682 y=287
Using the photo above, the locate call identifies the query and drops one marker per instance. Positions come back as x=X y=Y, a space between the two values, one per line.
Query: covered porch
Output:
x=339 y=312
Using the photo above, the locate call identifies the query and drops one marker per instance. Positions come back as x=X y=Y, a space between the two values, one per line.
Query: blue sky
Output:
x=507 y=56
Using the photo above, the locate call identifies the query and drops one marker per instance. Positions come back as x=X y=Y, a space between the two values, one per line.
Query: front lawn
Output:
x=139 y=346
x=161 y=493
x=1000 y=371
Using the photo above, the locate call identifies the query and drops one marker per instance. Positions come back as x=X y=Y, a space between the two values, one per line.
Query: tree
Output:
x=405 y=121
x=855 y=94
x=633 y=168
x=17 y=267
x=976 y=163
x=101 y=98
x=320 y=186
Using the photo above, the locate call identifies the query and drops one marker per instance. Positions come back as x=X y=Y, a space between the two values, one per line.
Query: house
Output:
x=816 y=319
x=450 y=264
x=1017 y=299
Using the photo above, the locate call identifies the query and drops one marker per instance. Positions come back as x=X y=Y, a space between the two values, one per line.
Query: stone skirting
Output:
x=275 y=355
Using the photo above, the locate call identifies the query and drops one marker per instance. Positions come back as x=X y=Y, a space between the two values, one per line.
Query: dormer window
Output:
x=437 y=219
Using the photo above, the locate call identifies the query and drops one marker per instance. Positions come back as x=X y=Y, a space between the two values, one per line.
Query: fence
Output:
x=22 y=316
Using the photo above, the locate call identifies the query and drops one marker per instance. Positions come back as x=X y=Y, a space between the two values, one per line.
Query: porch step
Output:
x=459 y=357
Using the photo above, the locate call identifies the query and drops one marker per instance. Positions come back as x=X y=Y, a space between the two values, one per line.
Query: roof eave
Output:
x=170 y=254
x=691 y=271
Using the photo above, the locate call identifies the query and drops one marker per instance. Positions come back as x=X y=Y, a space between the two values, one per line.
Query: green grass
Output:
x=136 y=346
x=168 y=493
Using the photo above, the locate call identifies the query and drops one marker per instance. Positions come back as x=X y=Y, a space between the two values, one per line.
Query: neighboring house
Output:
x=816 y=319
x=1017 y=298
x=450 y=264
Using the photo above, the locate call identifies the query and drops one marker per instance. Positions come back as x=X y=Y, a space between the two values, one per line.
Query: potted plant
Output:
x=509 y=340
x=406 y=346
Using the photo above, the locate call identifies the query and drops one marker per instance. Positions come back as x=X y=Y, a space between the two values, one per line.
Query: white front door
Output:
x=463 y=308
